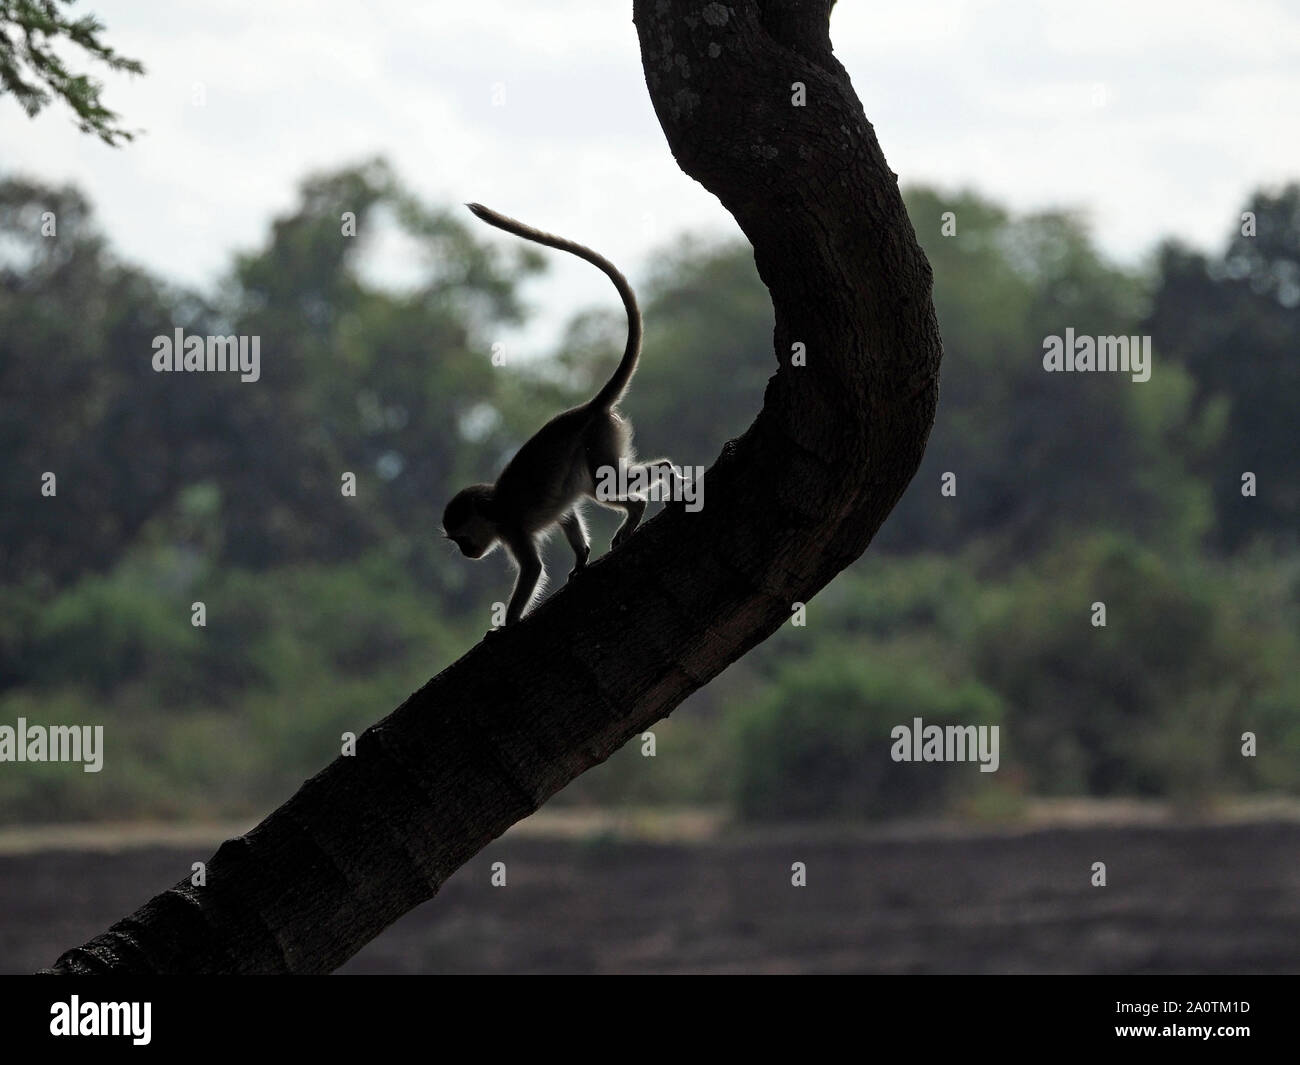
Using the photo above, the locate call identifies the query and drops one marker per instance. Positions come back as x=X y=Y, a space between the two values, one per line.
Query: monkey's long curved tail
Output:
x=617 y=384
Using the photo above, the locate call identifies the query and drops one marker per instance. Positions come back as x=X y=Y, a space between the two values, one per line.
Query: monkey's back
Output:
x=550 y=472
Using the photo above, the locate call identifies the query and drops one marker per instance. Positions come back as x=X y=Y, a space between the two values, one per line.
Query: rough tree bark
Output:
x=787 y=506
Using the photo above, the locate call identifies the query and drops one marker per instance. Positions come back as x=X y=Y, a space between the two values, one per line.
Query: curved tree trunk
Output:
x=787 y=506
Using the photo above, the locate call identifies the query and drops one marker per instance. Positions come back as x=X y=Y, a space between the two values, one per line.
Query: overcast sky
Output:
x=1154 y=116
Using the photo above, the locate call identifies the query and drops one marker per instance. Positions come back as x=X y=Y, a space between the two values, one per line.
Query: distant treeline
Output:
x=1170 y=501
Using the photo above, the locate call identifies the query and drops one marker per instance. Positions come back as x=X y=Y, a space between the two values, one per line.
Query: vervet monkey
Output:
x=556 y=470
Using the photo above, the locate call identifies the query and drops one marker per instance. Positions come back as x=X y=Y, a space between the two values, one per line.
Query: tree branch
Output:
x=789 y=504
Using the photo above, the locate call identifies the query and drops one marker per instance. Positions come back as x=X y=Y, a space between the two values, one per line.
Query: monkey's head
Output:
x=466 y=524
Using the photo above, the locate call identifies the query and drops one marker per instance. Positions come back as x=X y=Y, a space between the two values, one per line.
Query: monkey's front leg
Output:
x=576 y=533
x=529 y=561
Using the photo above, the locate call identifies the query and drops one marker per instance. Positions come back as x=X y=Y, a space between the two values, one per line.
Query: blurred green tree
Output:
x=1233 y=321
x=80 y=398
x=1037 y=455
x=817 y=743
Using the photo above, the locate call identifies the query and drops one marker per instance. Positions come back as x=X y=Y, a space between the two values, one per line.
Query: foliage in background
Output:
x=324 y=611
x=817 y=743
x=1233 y=321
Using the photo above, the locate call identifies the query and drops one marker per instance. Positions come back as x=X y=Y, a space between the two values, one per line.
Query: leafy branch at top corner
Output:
x=31 y=69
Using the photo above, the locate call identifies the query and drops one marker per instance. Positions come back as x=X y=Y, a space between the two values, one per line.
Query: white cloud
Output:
x=1201 y=104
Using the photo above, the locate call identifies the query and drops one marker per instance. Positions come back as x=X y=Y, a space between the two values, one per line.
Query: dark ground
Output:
x=1189 y=899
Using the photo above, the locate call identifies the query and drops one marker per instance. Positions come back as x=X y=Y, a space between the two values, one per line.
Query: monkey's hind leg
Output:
x=575 y=531
x=634 y=503
x=666 y=470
